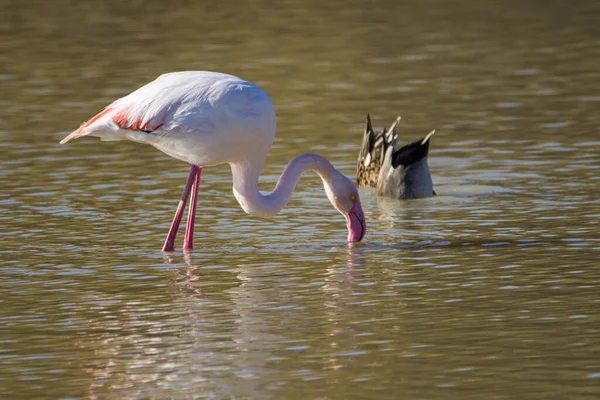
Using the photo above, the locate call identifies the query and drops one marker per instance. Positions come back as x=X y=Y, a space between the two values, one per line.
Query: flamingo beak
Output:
x=355 y=221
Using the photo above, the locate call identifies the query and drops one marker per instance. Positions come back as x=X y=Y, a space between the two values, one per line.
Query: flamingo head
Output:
x=343 y=195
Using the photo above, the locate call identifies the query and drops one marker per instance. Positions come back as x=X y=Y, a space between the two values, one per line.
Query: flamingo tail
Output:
x=83 y=129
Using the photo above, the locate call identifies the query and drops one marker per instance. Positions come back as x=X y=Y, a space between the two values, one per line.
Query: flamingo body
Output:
x=203 y=118
x=209 y=118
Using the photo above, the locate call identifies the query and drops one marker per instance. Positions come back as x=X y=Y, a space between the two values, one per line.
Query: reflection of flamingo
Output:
x=209 y=118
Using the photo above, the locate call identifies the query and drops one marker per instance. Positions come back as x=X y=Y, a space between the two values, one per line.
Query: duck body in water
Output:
x=401 y=173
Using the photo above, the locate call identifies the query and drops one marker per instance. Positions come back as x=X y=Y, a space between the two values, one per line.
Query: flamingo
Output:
x=209 y=118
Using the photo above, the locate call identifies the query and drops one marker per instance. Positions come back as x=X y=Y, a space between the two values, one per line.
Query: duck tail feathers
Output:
x=426 y=138
x=412 y=153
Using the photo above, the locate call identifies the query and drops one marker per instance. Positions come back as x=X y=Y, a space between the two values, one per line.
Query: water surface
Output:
x=489 y=290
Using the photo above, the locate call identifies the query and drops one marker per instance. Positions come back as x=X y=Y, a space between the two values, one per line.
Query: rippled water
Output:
x=489 y=290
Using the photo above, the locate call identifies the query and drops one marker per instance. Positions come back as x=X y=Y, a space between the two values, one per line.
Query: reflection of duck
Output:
x=399 y=173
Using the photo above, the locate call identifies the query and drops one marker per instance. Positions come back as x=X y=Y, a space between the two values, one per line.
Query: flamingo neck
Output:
x=245 y=183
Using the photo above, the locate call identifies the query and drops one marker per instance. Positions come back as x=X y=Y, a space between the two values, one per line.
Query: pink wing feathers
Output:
x=146 y=109
x=181 y=101
x=132 y=113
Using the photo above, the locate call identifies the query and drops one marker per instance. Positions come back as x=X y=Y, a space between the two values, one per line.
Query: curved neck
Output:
x=245 y=183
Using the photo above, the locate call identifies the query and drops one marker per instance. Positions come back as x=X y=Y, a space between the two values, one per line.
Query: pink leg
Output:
x=189 y=228
x=170 y=241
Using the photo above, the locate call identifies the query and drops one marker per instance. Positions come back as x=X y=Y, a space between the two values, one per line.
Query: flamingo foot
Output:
x=170 y=240
x=189 y=228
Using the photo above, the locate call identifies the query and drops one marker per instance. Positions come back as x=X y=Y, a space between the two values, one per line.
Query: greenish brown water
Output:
x=489 y=290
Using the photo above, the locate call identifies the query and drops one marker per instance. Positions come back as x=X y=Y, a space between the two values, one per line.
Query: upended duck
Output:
x=398 y=173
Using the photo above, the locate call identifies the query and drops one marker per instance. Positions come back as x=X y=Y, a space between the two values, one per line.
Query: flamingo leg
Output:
x=170 y=241
x=189 y=228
